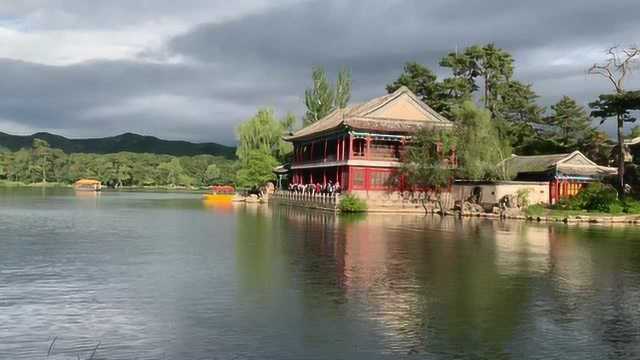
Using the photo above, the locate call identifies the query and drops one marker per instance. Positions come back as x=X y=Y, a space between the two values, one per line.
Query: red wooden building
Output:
x=360 y=146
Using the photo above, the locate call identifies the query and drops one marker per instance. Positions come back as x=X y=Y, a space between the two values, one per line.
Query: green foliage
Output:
x=256 y=169
x=631 y=206
x=343 y=89
x=535 y=210
x=620 y=105
x=319 y=99
x=479 y=145
x=173 y=173
x=441 y=96
x=595 y=197
x=425 y=164
x=488 y=62
x=488 y=70
x=120 y=169
x=322 y=98
x=263 y=132
x=350 y=203
x=212 y=174
x=570 y=123
x=261 y=147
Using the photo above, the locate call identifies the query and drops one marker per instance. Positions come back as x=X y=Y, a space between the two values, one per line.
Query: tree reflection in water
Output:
x=432 y=285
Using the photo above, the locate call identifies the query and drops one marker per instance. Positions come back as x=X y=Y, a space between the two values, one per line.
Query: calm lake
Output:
x=164 y=276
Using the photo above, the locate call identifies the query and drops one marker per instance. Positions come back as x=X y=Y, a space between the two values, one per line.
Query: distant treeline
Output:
x=40 y=163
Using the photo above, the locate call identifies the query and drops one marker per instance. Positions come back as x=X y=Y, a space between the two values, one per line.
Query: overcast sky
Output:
x=193 y=69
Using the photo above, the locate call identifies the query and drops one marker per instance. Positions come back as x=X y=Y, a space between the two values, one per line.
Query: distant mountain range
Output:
x=125 y=142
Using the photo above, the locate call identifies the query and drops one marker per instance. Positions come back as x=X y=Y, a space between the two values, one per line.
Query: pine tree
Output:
x=570 y=123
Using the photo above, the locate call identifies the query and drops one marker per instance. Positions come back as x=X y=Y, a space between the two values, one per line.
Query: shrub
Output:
x=350 y=203
x=631 y=206
x=594 y=197
x=598 y=197
x=616 y=208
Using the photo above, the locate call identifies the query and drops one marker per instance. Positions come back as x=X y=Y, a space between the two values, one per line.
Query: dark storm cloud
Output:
x=264 y=58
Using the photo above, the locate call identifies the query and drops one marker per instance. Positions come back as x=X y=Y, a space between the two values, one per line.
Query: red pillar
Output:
x=324 y=157
x=350 y=148
x=338 y=149
x=367 y=153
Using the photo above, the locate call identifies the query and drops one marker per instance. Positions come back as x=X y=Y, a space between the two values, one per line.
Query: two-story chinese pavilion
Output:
x=361 y=146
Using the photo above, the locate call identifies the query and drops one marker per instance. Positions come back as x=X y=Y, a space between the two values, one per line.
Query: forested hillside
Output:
x=127 y=142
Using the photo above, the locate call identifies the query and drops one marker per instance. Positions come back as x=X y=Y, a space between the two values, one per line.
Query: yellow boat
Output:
x=220 y=195
x=218 y=198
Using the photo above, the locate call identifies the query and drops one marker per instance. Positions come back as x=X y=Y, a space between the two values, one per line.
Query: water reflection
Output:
x=432 y=285
x=167 y=276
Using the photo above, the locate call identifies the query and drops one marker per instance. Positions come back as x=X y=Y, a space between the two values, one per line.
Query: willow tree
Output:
x=264 y=132
x=261 y=147
x=616 y=70
x=481 y=149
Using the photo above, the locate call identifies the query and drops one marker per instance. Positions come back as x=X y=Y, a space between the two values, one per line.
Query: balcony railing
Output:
x=305 y=199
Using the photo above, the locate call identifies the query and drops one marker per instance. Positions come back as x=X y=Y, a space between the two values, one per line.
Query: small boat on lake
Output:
x=87 y=185
x=220 y=194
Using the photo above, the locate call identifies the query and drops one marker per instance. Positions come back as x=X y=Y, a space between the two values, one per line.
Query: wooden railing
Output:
x=306 y=199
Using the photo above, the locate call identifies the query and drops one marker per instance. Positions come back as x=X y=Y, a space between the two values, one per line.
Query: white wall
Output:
x=493 y=192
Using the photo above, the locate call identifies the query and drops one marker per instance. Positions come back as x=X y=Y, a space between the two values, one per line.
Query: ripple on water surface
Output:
x=154 y=276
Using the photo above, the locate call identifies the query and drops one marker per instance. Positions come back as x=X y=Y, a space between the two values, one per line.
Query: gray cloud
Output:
x=256 y=54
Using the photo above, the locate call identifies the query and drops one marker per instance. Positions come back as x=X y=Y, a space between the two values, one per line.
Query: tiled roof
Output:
x=574 y=163
x=362 y=117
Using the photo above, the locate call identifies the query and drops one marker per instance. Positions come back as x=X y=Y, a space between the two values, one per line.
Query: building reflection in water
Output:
x=426 y=284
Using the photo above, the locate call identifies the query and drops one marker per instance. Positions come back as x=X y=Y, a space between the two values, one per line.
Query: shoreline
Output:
x=577 y=219
x=20 y=185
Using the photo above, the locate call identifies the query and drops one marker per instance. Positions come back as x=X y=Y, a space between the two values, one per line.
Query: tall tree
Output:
x=489 y=69
x=42 y=154
x=323 y=98
x=620 y=106
x=264 y=132
x=480 y=145
x=261 y=147
x=490 y=63
x=343 y=89
x=441 y=96
x=570 y=123
x=419 y=79
x=320 y=98
x=616 y=70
